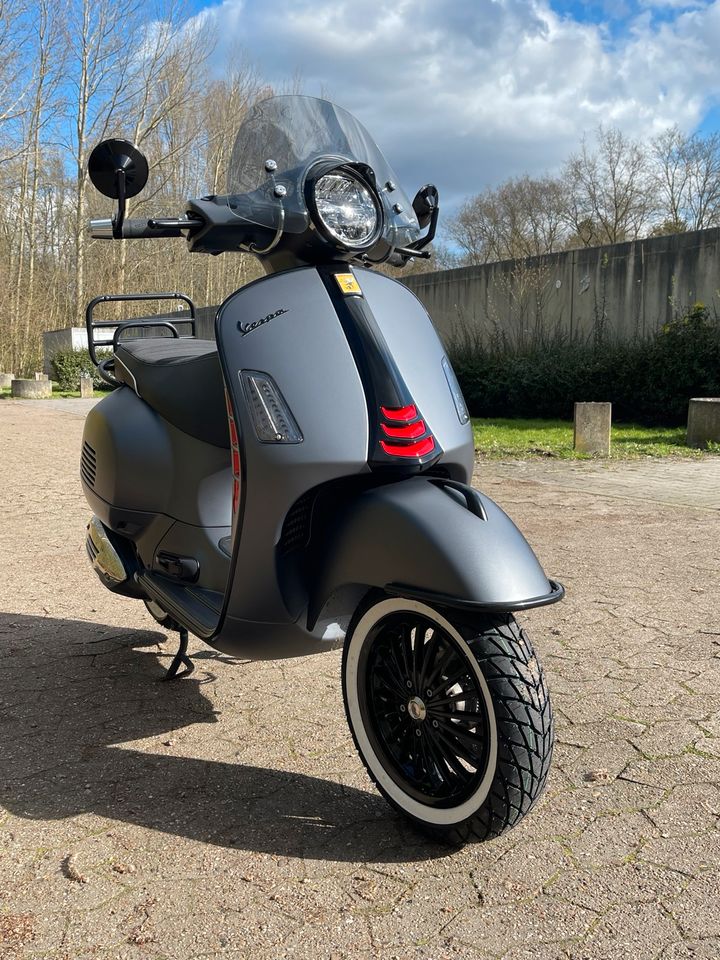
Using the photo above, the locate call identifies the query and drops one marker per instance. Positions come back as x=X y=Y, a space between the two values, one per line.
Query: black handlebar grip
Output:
x=139 y=229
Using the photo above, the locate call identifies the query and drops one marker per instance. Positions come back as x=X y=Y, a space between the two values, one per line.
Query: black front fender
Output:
x=435 y=540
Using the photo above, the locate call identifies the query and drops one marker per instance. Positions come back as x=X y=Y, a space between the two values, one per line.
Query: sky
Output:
x=466 y=93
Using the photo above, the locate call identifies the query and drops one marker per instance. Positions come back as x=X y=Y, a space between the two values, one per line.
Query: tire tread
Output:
x=525 y=730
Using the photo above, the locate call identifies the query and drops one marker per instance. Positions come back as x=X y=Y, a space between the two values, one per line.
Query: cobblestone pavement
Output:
x=227 y=816
x=685 y=483
x=75 y=406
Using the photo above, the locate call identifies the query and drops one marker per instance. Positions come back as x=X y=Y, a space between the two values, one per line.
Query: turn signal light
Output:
x=271 y=416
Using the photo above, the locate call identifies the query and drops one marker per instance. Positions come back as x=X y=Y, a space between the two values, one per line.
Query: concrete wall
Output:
x=627 y=288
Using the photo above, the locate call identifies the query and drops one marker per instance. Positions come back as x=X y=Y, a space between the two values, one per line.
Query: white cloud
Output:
x=468 y=92
x=674 y=4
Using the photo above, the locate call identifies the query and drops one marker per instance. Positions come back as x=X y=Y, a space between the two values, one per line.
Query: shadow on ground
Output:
x=72 y=691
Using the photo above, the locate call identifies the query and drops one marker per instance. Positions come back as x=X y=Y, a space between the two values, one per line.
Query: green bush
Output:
x=68 y=365
x=648 y=380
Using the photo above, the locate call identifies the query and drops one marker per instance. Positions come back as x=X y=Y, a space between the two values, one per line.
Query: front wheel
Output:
x=453 y=724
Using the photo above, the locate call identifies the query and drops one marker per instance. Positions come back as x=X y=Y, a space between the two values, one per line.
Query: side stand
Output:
x=180 y=659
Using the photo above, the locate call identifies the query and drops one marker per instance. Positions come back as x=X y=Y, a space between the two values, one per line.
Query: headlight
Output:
x=346 y=209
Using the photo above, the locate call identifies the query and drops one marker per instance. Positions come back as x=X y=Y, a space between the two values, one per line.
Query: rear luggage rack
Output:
x=115 y=328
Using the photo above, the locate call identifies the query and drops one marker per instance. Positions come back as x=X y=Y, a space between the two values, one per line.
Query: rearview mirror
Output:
x=117 y=168
x=426 y=203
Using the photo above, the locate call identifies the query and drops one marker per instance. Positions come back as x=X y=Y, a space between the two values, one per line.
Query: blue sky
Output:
x=469 y=92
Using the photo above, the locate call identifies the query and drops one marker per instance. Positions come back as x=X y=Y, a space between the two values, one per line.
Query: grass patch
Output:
x=498 y=438
x=5 y=393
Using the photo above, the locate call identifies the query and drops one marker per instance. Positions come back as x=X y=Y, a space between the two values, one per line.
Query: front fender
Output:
x=432 y=539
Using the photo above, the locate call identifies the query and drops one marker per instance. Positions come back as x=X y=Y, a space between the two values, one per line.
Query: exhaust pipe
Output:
x=105 y=559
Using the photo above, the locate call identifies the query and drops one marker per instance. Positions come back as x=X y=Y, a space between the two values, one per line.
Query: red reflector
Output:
x=234 y=455
x=400 y=414
x=418 y=449
x=409 y=432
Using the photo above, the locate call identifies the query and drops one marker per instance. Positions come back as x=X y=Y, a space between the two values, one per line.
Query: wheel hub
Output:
x=417 y=709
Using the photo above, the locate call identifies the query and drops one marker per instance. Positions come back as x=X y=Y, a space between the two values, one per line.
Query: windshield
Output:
x=281 y=138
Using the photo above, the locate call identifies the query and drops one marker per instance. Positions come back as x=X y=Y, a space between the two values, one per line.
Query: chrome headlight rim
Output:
x=349 y=172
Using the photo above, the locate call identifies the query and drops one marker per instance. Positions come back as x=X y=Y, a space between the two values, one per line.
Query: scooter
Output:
x=302 y=482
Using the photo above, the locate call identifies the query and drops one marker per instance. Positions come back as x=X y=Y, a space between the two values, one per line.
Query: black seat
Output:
x=181 y=379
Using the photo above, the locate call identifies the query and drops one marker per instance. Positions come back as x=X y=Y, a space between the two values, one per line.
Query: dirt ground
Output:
x=227 y=815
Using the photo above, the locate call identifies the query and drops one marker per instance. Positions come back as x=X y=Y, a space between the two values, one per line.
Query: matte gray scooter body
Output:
x=406 y=533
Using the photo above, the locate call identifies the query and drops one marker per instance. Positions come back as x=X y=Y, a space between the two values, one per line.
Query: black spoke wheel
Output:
x=453 y=723
x=424 y=708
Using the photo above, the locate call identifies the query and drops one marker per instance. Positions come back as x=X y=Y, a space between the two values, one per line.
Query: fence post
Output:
x=86 y=386
x=703 y=421
x=592 y=428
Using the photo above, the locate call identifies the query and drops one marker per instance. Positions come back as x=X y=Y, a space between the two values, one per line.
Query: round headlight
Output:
x=347 y=209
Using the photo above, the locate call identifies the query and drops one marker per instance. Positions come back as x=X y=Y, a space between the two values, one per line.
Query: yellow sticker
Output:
x=348 y=283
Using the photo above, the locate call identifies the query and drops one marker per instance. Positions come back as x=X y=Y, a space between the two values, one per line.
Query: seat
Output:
x=181 y=379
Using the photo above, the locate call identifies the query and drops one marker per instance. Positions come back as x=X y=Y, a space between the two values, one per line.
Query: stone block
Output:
x=86 y=386
x=592 y=428
x=31 y=389
x=6 y=379
x=703 y=421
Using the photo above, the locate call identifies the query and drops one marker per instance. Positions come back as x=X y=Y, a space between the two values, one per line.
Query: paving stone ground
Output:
x=227 y=816
x=683 y=483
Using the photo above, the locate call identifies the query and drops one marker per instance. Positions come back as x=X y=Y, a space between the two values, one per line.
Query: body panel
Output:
x=144 y=464
x=424 y=537
x=286 y=325
x=305 y=352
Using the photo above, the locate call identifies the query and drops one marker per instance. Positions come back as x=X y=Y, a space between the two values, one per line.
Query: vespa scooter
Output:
x=303 y=481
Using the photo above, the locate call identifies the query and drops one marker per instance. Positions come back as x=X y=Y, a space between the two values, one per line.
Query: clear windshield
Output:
x=281 y=138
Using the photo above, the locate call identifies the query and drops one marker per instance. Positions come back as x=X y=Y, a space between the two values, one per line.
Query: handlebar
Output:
x=141 y=228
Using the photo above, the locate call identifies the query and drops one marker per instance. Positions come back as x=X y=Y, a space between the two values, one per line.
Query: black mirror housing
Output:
x=426 y=202
x=113 y=160
x=118 y=170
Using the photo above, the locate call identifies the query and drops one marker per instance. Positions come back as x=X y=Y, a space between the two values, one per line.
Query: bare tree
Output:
x=99 y=61
x=43 y=97
x=608 y=190
x=15 y=29
x=163 y=112
x=24 y=169
x=686 y=171
x=670 y=178
x=521 y=218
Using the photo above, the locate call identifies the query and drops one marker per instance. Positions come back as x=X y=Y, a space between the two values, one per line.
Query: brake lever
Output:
x=408 y=252
x=182 y=223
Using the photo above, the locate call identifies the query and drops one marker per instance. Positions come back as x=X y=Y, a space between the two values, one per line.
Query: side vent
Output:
x=88 y=464
x=296 y=529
